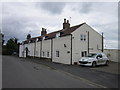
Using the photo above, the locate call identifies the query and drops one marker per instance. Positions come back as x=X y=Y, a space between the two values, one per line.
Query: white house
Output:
x=63 y=46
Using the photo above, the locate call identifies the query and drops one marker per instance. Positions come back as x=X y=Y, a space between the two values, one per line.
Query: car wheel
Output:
x=94 y=64
x=107 y=62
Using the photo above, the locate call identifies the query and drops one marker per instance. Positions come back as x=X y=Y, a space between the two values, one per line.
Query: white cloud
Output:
x=20 y=18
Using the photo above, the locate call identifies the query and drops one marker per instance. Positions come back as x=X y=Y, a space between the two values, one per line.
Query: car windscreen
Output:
x=91 y=55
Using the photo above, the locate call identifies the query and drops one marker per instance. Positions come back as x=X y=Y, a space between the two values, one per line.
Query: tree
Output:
x=11 y=46
x=3 y=39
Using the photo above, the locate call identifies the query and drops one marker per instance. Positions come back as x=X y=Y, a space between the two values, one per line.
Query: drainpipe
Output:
x=34 y=48
x=102 y=43
x=51 y=49
x=41 y=49
x=71 y=50
x=88 y=42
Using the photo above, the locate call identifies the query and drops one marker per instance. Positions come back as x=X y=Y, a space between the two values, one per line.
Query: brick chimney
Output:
x=66 y=24
x=43 y=32
x=28 y=36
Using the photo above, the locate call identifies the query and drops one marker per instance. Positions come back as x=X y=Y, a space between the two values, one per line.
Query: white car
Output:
x=94 y=59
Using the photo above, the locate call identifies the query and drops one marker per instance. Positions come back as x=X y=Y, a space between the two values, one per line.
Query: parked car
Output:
x=15 y=53
x=94 y=59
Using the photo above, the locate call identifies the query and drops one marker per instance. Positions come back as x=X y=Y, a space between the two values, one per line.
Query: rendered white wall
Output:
x=79 y=46
x=65 y=52
x=46 y=47
x=37 y=49
x=21 y=51
x=30 y=47
x=58 y=45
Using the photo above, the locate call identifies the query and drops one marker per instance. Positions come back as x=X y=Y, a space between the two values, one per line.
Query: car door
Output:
x=99 y=59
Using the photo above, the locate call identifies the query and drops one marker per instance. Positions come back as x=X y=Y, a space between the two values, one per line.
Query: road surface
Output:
x=18 y=73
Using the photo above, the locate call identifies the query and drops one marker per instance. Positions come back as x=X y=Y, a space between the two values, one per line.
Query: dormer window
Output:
x=46 y=36
x=31 y=41
x=43 y=38
x=57 y=35
x=40 y=39
x=37 y=40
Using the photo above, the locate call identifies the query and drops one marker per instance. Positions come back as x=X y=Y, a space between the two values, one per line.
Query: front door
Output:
x=26 y=52
x=83 y=53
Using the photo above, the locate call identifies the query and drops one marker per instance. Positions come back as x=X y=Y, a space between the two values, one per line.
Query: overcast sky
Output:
x=20 y=18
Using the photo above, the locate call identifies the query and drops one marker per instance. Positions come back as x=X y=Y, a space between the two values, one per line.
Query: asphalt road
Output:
x=26 y=73
x=18 y=73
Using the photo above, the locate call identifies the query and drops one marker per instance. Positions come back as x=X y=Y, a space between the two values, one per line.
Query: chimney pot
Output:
x=67 y=21
x=28 y=36
x=64 y=20
x=43 y=32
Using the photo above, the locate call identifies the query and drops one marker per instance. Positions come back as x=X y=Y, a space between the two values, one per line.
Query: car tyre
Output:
x=107 y=63
x=94 y=64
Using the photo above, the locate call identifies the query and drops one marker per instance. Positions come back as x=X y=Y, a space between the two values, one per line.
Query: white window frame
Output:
x=43 y=38
x=82 y=37
x=48 y=54
x=57 y=35
x=43 y=53
x=57 y=54
x=37 y=39
x=83 y=53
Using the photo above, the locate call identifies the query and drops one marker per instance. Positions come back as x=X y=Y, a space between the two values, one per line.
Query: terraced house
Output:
x=63 y=46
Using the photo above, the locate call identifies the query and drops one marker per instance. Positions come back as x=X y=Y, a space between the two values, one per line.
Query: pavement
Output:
x=40 y=73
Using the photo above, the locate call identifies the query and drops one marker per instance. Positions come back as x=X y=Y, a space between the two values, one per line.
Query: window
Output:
x=43 y=53
x=44 y=38
x=83 y=37
x=84 y=53
x=47 y=54
x=57 y=35
x=57 y=53
x=37 y=40
x=91 y=55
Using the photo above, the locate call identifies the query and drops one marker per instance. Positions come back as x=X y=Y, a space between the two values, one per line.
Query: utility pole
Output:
x=102 y=43
x=88 y=41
